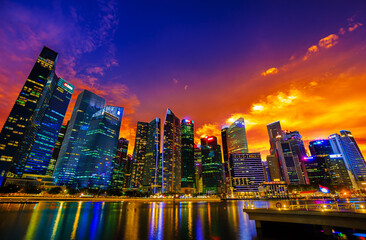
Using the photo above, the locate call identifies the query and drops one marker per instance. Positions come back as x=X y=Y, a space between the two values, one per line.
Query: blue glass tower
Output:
x=35 y=152
x=86 y=105
x=15 y=125
x=95 y=168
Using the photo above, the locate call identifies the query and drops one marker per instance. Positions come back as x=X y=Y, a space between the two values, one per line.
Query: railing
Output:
x=358 y=207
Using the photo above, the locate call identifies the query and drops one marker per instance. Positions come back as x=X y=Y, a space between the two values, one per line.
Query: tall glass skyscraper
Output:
x=212 y=172
x=56 y=151
x=171 y=157
x=23 y=108
x=237 y=137
x=95 y=168
x=120 y=166
x=198 y=169
x=289 y=153
x=346 y=145
x=139 y=154
x=188 y=166
x=87 y=103
x=35 y=151
x=152 y=158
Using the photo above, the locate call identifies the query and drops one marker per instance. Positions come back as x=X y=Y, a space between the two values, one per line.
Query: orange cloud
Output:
x=311 y=50
x=270 y=71
x=207 y=129
x=354 y=26
x=328 y=41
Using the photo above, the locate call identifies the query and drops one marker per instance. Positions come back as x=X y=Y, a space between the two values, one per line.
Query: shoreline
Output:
x=102 y=199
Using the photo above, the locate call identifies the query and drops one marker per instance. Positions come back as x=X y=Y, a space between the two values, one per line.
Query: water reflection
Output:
x=126 y=220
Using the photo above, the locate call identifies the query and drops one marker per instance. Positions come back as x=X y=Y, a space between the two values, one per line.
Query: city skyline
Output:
x=333 y=51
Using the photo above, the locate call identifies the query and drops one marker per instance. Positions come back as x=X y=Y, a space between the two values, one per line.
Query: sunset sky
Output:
x=300 y=62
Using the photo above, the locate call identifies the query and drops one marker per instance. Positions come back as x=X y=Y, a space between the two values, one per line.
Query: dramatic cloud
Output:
x=270 y=71
x=328 y=41
x=354 y=26
x=311 y=50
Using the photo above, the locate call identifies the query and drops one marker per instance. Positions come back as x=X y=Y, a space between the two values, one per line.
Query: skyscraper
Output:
x=139 y=154
x=188 y=164
x=171 y=157
x=120 y=166
x=246 y=173
x=346 y=145
x=198 y=169
x=225 y=153
x=87 y=103
x=95 y=168
x=23 y=108
x=56 y=151
x=35 y=151
x=212 y=172
x=289 y=151
x=152 y=157
x=237 y=137
x=274 y=132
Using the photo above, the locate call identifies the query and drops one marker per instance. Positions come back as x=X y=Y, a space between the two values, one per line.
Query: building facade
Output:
x=139 y=154
x=152 y=176
x=121 y=169
x=212 y=172
x=87 y=104
x=95 y=168
x=15 y=125
x=171 y=155
x=188 y=163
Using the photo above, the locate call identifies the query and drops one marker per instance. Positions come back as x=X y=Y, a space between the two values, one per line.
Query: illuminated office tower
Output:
x=56 y=150
x=317 y=164
x=212 y=172
x=152 y=157
x=346 y=145
x=120 y=165
x=188 y=164
x=289 y=152
x=35 y=151
x=246 y=173
x=15 y=125
x=326 y=168
x=237 y=137
x=87 y=103
x=198 y=169
x=171 y=156
x=95 y=168
x=274 y=132
x=225 y=153
x=139 y=154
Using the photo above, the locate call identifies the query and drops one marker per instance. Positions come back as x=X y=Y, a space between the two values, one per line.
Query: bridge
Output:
x=327 y=215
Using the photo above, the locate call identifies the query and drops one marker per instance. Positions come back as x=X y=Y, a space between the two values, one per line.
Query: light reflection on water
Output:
x=126 y=220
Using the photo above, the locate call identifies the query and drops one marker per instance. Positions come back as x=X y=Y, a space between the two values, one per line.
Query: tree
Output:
x=55 y=190
x=10 y=188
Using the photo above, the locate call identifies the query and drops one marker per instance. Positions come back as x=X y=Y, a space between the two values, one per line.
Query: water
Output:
x=125 y=220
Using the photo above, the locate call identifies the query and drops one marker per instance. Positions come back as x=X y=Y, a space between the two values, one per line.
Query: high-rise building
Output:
x=346 y=145
x=324 y=167
x=171 y=156
x=274 y=166
x=23 y=108
x=198 y=169
x=246 y=173
x=188 y=163
x=120 y=166
x=237 y=137
x=95 y=168
x=56 y=150
x=35 y=151
x=225 y=153
x=139 y=154
x=212 y=172
x=152 y=158
x=289 y=150
x=87 y=103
